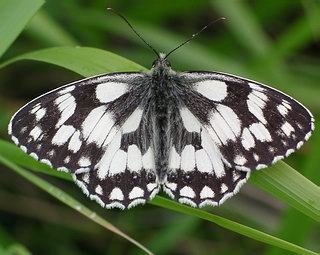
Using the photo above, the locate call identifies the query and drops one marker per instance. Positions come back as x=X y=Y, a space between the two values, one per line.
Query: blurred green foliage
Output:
x=275 y=42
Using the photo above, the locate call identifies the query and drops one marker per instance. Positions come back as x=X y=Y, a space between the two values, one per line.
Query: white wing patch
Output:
x=212 y=89
x=110 y=91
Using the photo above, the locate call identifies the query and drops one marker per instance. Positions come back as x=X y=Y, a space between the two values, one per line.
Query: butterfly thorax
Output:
x=163 y=104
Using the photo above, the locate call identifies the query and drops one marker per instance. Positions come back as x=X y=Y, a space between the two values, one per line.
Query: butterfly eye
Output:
x=154 y=63
x=168 y=63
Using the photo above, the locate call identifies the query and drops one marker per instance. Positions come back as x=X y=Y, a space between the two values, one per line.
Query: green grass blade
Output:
x=292 y=219
x=12 y=153
x=243 y=24
x=14 y=16
x=301 y=32
x=68 y=200
x=231 y=225
x=285 y=183
x=38 y=29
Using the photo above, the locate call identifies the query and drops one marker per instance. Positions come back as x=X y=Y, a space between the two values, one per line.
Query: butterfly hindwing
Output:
x=252 y=125
x=94 y=129
x=197 y=175
x=125 y=175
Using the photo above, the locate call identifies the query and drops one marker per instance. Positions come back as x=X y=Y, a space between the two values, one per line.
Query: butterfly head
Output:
x=161 y=63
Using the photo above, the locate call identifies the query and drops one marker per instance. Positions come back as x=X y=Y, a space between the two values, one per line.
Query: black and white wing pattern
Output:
x=226 y=127
x=197 y=175
x=252 y=125
x=96 y=130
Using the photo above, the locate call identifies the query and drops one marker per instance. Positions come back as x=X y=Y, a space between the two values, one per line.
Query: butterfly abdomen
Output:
x=162 y=107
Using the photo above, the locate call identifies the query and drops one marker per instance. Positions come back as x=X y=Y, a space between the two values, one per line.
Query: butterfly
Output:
x=196 y=135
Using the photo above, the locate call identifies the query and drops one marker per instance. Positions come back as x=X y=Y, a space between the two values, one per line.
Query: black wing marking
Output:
x=85 y=128
x=252 y=125
x=197 y=175
x=126 y=174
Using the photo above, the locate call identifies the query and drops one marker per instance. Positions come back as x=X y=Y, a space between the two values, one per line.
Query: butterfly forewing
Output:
x=252 y=125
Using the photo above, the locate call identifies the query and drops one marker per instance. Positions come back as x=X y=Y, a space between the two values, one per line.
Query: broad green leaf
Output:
x=82 y=60
x=67 y=199
x=14 y=16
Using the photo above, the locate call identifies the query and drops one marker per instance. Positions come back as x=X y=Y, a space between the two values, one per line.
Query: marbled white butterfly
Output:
x=196 y=135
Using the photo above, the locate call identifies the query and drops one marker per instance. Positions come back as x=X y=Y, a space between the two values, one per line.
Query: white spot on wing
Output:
x=282 y=109
x=133 y=122
x=174 y=159
x=212 y=89
x=97 y=125
x=75 y=142
x=240 y=160
x=63 y=134
x=136 y=192
x=203 y=161
x=35 y=108
x=287 y=128
x=40 y=114
x=35 y=132
x=171 y=185
x=67 y=90
x=190 y=122
x=151 y=186
x=134 y=158
x=109 y=91
x=116 y=194
x=67 y=109
x=188 y=158
x=256 y=103
x=104 y=163
x=98 y=190
x=84 y=161
x=225 y=123
x=118 y=163
x=187 y=191
x=224 y=188
x=148 y=159
x=206 y=192
x=213 y=153
x=260 y=132
x=247 y=139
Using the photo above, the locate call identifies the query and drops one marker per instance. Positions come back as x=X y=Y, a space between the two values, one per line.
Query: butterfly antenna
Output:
x=125 y=19
x=194 y=35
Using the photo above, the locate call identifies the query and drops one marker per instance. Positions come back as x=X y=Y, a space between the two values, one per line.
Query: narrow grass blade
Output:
x=14 y=16
x=291 y=187
x=292 y=219
x=231 y=225
x=42 y=23
x=68 y=200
